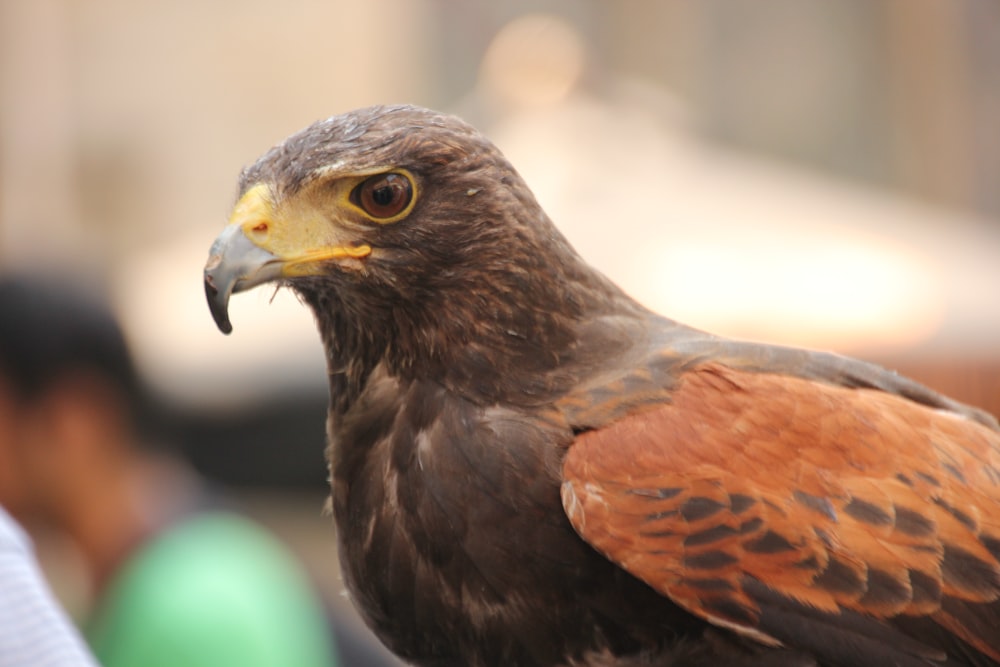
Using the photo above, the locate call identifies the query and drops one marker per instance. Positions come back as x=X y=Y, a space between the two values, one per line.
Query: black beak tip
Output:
x=218 y=305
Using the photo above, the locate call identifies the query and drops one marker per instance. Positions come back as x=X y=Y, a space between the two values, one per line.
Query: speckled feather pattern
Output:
x=676 y=496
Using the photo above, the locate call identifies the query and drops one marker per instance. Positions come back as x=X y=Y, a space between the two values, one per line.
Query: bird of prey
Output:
x=530 y=468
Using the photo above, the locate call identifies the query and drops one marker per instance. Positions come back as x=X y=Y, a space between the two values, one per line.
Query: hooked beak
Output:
x=235 y=264
x=265 y=242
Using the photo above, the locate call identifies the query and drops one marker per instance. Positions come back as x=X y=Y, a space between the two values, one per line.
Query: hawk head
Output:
x=414 y=241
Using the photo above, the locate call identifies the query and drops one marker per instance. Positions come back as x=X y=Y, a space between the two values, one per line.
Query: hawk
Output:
x=530 y=468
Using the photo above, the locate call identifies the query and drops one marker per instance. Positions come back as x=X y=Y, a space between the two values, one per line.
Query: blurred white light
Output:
x=535 y=59
x=848 y=292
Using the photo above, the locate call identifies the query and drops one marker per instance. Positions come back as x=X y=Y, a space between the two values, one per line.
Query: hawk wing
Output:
x=850 y=522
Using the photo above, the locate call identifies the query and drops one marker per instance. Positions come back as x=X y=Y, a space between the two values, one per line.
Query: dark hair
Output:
x=50 y=329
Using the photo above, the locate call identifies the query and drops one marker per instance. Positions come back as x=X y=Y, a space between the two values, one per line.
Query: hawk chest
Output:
x=450 y=523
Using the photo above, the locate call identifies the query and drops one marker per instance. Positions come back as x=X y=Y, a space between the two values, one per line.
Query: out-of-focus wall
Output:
x=122 y=122
x=900 y=93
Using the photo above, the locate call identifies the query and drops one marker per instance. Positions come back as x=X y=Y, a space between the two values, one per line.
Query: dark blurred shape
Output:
x=49 y=332
x=275 y=444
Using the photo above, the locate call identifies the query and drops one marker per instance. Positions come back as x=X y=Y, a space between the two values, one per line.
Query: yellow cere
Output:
x=253 y=212
x=301 y=237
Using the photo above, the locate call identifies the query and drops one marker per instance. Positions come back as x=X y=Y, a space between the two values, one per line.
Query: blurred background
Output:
x=796 y=171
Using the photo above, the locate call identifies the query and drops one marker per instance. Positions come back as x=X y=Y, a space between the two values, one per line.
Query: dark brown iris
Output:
x=383 y=196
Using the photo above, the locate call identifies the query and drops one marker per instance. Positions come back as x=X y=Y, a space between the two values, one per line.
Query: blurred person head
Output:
x=69 y=400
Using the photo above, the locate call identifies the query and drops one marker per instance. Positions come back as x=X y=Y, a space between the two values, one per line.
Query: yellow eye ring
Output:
x=386 y=197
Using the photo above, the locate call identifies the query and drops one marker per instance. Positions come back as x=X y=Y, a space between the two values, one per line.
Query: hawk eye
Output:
x=383 y=196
